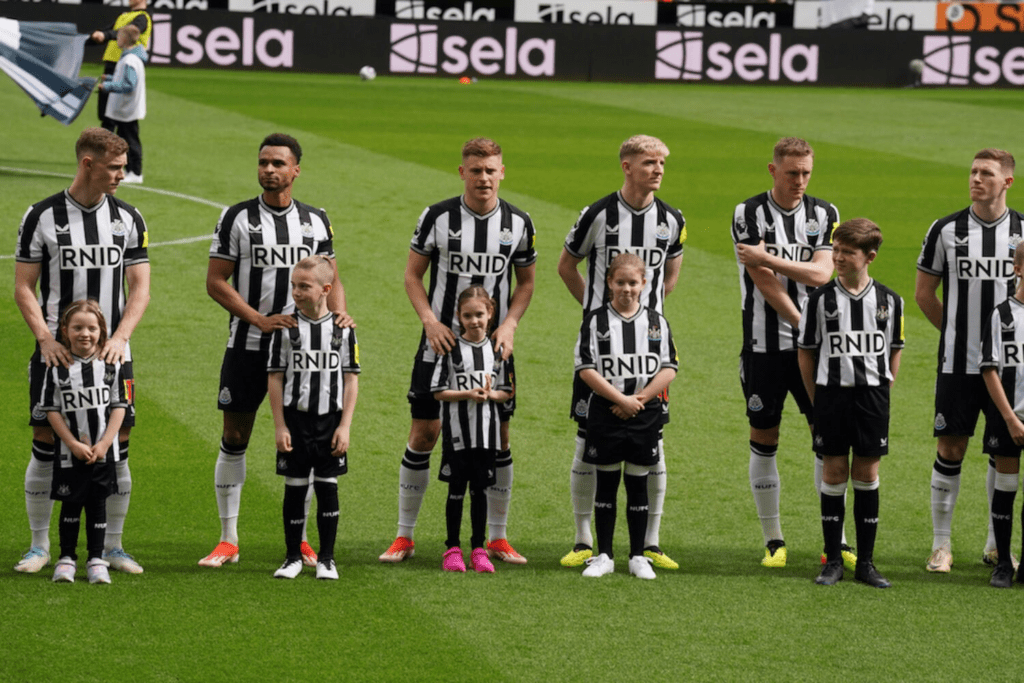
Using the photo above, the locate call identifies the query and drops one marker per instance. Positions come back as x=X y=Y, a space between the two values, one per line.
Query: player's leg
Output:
x=118 y=502
x=38 y=475
x=657 y=484
x=328 y=509
x=864 y=474
x=293 y=516
x=605 y=497
x=1000 y=448
x=499 y=498
x=582 y=476
x=95 y=532
x=129 y=130
x=637 y=518
x=452 y=561
x=70 y=517
x=832 y=494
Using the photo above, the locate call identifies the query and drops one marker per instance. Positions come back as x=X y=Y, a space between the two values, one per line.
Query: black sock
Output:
x=70 y=518
x=833 y=512
x=1002 y=521
x=604 y=509
x=636 y=512
x=327 y=511
x=865 y=516
x=95 y=525
x=294 y=516
x=453 y=512
x=477 y=517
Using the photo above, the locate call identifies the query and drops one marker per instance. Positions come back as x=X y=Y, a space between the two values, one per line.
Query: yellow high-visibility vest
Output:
x=113 y=52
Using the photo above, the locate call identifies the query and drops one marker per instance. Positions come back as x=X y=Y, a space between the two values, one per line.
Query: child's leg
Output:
x=865 y=516
x=95 y=523
x=293 y=511
x=637 y=508
x=70 y=516
x=1003 y=494
x=833 y=512
x=327 y=509
x=478 y=515
x=453 y=511
x=604 y=507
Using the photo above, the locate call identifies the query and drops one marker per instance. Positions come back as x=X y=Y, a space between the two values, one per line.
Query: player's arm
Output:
x=926 y=294
x=26 y=275
x=628 y=406
x=658 y=384
x=218 y=286
x=137 y=276
x=1002 y=404
x=60 y=428
x=806 y=360
x=336 y=301
x=569 y=272
x=342 y=435
x=774 y=293
x=439 y=336
x=672 y=268
x=114 y=421
x=275 y=391
x=813 y=273
x=521 y=295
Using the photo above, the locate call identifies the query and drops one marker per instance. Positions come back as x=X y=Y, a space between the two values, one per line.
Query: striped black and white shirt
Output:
x=466 y=249
x=610 y=227
x=793 y=235
x=628 y=352
x=84 y=394
x=975 y=261
x=83 y=253
x=468 y=424
x=314 y=357
x=265 y=243
x=853 y=334
x=1002 y=348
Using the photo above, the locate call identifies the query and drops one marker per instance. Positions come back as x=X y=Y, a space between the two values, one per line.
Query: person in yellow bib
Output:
x=136 y=16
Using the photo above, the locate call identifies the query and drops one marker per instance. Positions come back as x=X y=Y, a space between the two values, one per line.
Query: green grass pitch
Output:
x=376 y=154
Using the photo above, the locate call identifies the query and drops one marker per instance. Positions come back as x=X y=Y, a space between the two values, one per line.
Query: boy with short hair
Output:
x=1002 y=367
x=126 y=105
x=850 y=341
x=313 y=384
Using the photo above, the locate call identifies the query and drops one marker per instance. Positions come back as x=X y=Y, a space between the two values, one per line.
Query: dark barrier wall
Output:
x=217 y=39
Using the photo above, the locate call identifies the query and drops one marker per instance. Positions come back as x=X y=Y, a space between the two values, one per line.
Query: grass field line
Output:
x=155 y=190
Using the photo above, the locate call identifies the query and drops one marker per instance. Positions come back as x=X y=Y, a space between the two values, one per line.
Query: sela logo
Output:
x=418 y=9
x=415 y=49
x=949 y=60
x=684 y=56
x=338 y=8
x=980 y=16
x=178 y=4
x=557 y=14
x=698 y=16
x=223 y=45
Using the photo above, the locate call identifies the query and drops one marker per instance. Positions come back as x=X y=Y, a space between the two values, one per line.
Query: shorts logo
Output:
x=118 y=228
x=342 y=461
x=940 y=421
x=225 y=396
x=654 y=334
x=883 y=442
x=446 y=470
x=993 y=442
x=662 y=232
x=64 y=490
x=581 y=408
x=282 y=464
x=754 y=403
x=812 y=228
x=818 y=440
x=505 y=236
x=592 y=452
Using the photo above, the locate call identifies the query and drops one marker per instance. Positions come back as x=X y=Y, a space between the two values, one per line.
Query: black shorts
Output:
x=243 y=380
x=37 y=373
x=74 y=481
x=423 y=405
x=474 y=465
x=766 y=379
x=854 y=418
x=611 y=440
x=959 y=399
x=997 y=439
x=311 y=446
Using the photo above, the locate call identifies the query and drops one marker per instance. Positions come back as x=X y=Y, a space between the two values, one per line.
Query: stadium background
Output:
x=376 y=153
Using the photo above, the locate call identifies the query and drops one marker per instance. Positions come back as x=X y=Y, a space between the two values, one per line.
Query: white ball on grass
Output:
x=367 y=73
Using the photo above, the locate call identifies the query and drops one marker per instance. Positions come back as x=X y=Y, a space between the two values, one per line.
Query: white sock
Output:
x=582 y=486
x=412 y=486
x=945 y=489
x=990 y=487
x=38 y=505
x=228 y=477
x=117 y=506
x=657 y=479
x=499 y=497
x=819 y=466
x=766 y=486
